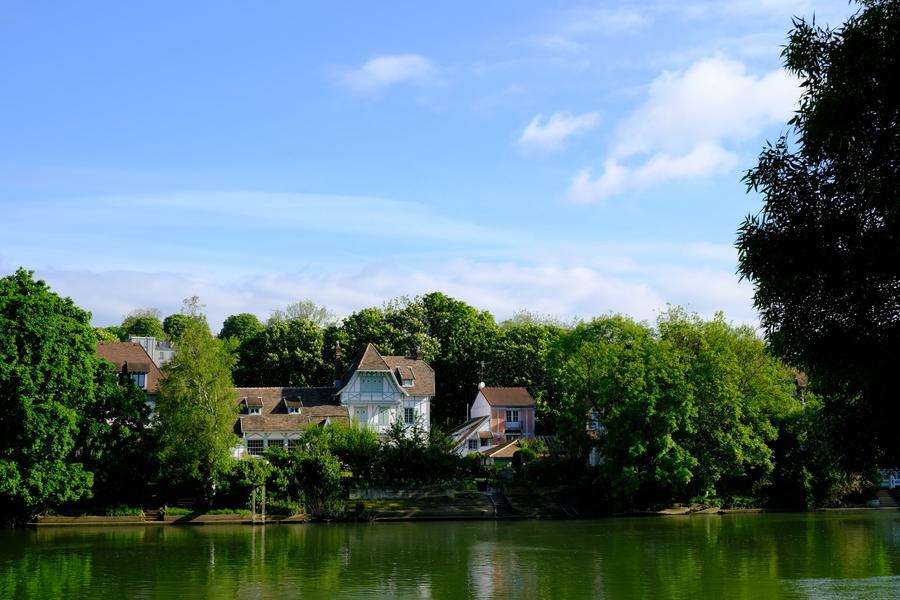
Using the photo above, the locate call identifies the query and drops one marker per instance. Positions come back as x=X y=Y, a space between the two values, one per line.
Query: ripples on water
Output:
x=824 y=555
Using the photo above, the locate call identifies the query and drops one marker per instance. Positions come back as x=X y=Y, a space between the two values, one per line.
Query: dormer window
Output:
x=405 y=376
x=140 y=379
x=292 y=405
x=254 y=405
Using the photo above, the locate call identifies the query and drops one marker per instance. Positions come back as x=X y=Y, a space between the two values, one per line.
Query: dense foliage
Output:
x=824 y=252
x=47 y=369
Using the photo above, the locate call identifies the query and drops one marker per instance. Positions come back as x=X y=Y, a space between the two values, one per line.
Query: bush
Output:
x=123 y=510
x=175 y=511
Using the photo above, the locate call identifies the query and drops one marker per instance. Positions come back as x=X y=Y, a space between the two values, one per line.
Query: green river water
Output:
x=822 y=555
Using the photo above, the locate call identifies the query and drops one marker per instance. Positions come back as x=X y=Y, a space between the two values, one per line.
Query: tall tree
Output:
x=464 y=336
x=116 y=440
x=142 y=322
x=174 y=325
x=240 y=327
x=286 y=353
x=638 y=387
x=518 y=357
x=740 y=394
x=196 y=408
x=304 y=310
x=823 y=254
x=47 y=366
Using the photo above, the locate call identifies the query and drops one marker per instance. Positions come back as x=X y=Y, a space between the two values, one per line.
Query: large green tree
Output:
x=116 y=441
x=286 y=353
x=196 y=409
x=638 y=387
x=823 y=254
x=240 y=327
x=142 y=322
x=47 y=367
x=740 y=394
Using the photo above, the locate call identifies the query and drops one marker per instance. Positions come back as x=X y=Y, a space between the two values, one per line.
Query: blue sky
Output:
x=568 y=158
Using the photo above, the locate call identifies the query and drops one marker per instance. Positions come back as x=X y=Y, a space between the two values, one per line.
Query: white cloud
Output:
x=547 y=134
x=689 y=126
x=640 y=289
x=383 y=71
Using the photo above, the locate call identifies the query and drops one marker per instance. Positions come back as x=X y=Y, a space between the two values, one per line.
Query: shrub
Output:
x=123 y=510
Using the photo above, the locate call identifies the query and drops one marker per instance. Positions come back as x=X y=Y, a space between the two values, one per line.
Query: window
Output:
x=253 y=410
x=512 y=416
x=279 y=443
x=362 y=416
x=512 y=436
x=407 y=382
x=409 y=415
x=255 y=447
x=371 y=384
x=473 y=444
x=140 y=379
x=293 y=410
x=162 y=355
x=486 y=442
x=383 y=414
x=291 y=444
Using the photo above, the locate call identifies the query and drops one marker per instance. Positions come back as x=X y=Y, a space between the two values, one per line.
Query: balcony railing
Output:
x=513 y=425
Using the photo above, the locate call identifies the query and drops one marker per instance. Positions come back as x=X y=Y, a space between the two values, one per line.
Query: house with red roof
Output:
x=498 y=415
x=131 y=360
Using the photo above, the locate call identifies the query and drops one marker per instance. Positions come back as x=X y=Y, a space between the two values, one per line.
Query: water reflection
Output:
x=741 y=556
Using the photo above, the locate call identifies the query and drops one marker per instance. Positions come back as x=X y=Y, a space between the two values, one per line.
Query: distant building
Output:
x=131 y=360
x=160 y=351
x=374 y=392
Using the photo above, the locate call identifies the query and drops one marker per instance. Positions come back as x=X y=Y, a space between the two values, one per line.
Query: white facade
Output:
x=375 y=399
x=160 y=351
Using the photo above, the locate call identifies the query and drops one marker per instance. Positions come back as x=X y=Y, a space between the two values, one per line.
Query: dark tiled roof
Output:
x=370 y=360
x=286 y=423
x=317 y=405
x=129 y=357
x=507 y=396
x=422 y=374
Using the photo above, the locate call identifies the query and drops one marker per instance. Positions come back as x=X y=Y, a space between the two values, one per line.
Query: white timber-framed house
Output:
x=379 y=390
x=374 y=392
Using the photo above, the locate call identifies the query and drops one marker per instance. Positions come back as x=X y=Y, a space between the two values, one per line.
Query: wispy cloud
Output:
x=253 y=252
x=548 y=134
x=383 y=71
x=562 y=287
x=606 y=20
x=577 y=26
x=688 y=126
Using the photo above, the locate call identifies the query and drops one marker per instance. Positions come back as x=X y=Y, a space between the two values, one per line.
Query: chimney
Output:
x=419 y=354
x=337 y=363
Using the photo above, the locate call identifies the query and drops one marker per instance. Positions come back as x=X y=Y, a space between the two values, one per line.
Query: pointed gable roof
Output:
x=371 y=360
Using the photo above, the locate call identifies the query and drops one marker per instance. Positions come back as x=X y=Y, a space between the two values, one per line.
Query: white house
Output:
x=374 y=392
x=378 y=390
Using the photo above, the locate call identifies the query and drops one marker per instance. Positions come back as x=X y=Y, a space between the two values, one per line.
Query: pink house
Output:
x=510 y=411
